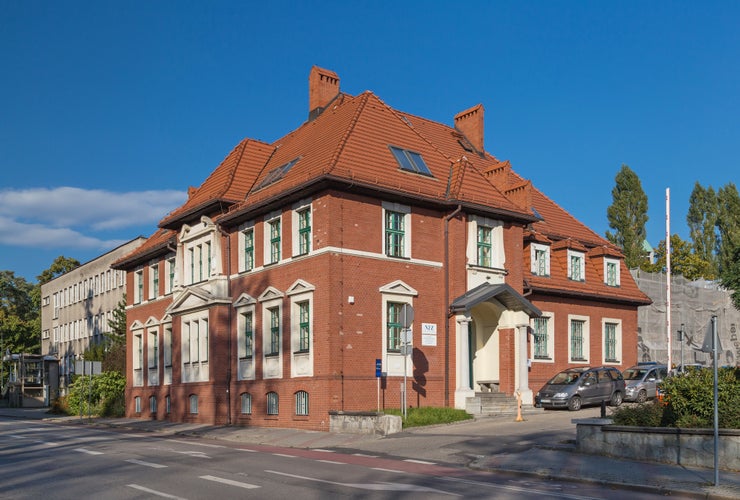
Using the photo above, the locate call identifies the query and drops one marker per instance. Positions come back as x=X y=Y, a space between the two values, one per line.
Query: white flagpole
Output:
x=668 y=273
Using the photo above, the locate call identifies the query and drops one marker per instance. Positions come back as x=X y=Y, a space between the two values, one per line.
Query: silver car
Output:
x=642 y=381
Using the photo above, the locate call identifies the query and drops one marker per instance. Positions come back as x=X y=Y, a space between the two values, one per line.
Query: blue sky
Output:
x=110 y=110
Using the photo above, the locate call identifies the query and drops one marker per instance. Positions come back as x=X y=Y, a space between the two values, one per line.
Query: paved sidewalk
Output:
x=443 y=445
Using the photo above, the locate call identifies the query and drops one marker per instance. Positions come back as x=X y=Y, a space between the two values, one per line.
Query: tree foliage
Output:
x=100 y=395
x=20 y=323
x=627 y=216
x=111 y=352
x=730 y=277
x=702 y=221
x=20 y=307
x=684 y=261
x=728 y=225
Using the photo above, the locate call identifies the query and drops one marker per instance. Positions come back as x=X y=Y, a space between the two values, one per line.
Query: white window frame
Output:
x=244 y=229
x=138 y=357
x=167 y=348
x=298 y=210
x=195 y=338
x=586 y=346
x=398 y=292
x=170 y=265
x=193 y=403
x=245 y=401
x=152 y=355
x=269 y=222
x=617 y=341
x=138 y=285
x=578 y=272
x=152 y=404
x=272 y=365
x=405 y=210
x=614 y=262
x=498 y=257
x=196 y=242
x=534 y=248
x=154 y=283
x=302 y=403
x=302 y=362
x=550 y=316
x=244 y=306
x=137 y=404
x=272 y=399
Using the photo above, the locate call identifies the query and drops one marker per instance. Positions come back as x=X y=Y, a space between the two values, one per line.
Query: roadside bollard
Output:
x=603 y=409
x=519 y=407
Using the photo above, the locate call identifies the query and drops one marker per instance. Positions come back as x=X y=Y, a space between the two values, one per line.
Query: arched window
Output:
x=272 y=403
x=246 y=400
x=301 y=403
x=193 y=404
x=153 y=404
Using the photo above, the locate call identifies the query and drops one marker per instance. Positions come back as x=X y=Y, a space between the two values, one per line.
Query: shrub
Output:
x=644 y=415
x=101 y=395
x=689 y=399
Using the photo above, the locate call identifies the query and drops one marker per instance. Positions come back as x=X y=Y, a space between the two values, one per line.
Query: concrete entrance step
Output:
x=496 y=403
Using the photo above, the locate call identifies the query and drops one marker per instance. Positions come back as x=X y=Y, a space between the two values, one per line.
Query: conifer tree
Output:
x=627 y=216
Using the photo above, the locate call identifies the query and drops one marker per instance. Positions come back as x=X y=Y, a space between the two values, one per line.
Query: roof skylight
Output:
x=276 y=174
x=410 y=161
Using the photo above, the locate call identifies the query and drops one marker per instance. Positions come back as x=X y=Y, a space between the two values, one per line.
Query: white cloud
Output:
x=70 y=217
x=69 y=207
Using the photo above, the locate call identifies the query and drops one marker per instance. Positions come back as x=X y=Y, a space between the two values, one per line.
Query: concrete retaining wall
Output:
x=690 y=447
x=364 y=423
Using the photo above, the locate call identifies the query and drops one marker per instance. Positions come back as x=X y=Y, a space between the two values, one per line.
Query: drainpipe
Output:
x=447 y=302
x=228 y=343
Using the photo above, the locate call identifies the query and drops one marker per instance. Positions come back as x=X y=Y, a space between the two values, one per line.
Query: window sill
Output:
x=302 y=351
x=272 y=355
x=542 y=358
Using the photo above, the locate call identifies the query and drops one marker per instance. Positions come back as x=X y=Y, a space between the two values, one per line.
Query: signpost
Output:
x=378 y=374
x=712 y=344
x=407 y=341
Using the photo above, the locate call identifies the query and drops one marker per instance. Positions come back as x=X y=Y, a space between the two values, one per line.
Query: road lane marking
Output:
x=147 y=464
x=154 y=492
x=89 y=452
x=198 y=454
x=322 y=450
x=517 y=488
x=230 y=482
x=247 y=449
x=195 y=443
x=283 y=455
x=423 y=462
x=388 y=470
x=365 y=455
x=379 y=486
x=331 y=462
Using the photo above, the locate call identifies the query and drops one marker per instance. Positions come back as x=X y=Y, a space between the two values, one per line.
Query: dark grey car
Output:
x=575 y=387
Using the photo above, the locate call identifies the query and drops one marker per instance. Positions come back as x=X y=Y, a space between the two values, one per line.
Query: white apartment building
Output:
x=77 y=306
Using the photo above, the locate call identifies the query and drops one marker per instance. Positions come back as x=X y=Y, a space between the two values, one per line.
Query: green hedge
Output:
x=688 y=402
x=100 y=395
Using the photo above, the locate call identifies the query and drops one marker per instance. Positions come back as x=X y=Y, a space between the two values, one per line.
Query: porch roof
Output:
x=503 y=293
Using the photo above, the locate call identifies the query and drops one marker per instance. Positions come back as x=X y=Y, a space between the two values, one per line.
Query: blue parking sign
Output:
x=378 y=368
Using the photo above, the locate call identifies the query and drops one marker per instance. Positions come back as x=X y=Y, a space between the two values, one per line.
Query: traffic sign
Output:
x=378 y=368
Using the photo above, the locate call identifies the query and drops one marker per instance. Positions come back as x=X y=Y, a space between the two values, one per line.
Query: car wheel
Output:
x=641 y=396
x=616 y=399
x=574 y=404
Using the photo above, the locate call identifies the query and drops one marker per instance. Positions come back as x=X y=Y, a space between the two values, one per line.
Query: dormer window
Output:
x=410 y=161
x=576 y=266
x=540 y=260
x=611 y=272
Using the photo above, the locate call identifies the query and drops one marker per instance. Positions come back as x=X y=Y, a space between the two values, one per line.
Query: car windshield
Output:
x=564 y=378
x=634 y=374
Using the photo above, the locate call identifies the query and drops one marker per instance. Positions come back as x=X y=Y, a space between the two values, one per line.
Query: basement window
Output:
x=276 y=174
x=410 y=161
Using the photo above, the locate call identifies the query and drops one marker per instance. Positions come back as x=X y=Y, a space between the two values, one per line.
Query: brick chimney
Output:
x=323 y=87
x=470 y=123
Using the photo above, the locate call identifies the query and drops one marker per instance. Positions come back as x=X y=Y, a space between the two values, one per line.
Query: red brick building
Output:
x=267 y=298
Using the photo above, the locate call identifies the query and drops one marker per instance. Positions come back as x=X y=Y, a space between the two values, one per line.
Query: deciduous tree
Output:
x=627 y=216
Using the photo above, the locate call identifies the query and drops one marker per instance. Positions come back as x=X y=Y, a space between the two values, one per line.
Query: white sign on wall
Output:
x=429 y=334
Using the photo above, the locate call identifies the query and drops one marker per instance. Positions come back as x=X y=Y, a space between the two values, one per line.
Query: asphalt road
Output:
x=42 y=460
